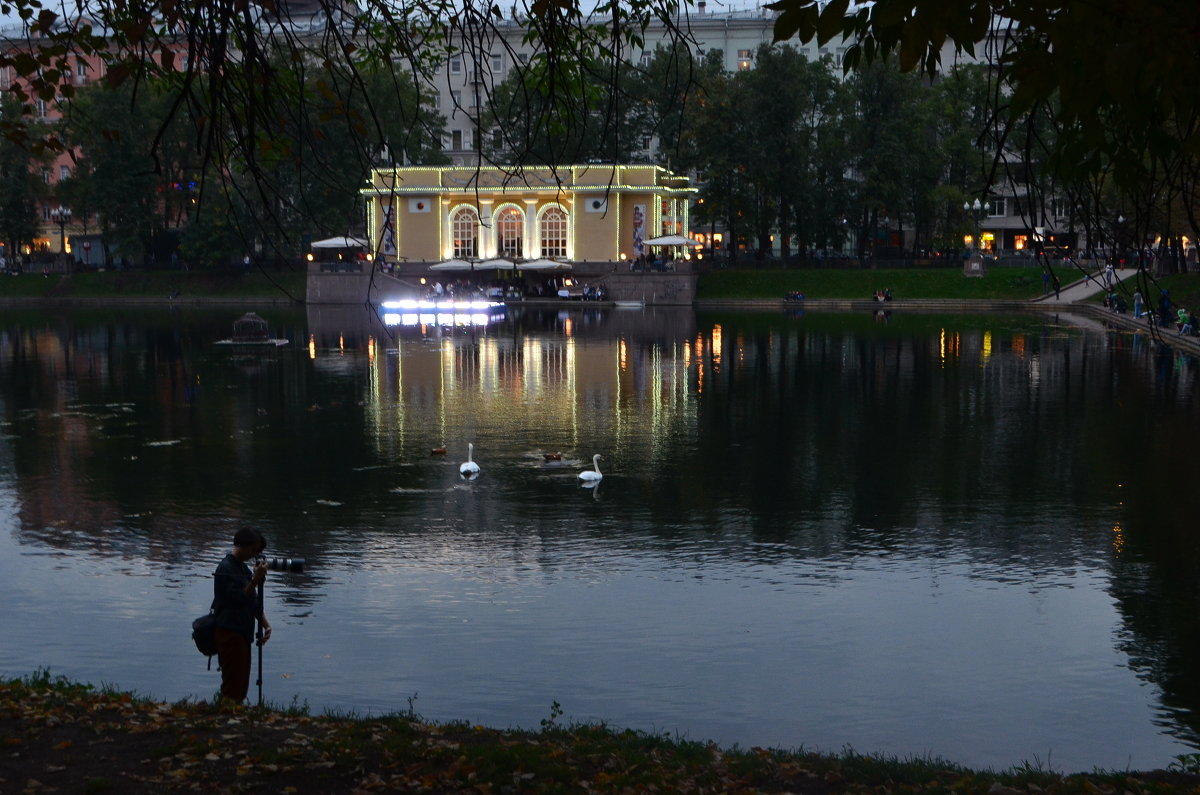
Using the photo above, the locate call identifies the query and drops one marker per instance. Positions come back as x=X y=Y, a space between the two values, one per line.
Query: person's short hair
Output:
x=248 y=536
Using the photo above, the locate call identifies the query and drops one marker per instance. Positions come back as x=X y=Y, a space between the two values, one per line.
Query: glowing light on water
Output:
x=444 y=312
x=443 y=306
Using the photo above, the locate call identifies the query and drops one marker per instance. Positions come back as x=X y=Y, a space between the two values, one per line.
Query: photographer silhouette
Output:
x=237 y=603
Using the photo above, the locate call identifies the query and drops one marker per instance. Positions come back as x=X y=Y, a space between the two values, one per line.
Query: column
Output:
x=487 y=231
x=533 y=246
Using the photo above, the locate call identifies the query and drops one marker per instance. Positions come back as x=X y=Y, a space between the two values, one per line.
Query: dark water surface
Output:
x=971 y=537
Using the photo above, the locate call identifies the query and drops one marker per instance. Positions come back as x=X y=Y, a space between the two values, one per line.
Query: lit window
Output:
x=554 y=233
x=744 y=60
x=509 y=225
x=465 y=229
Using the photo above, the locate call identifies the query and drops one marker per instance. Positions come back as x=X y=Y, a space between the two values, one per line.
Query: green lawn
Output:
x=1183 y=288
x=153 y=283
x=949 y=283
x=945 y=283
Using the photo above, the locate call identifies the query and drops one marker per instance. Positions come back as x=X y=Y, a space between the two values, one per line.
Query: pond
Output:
x=968 y=537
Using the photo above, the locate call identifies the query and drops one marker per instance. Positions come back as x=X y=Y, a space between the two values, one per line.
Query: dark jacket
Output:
x=235 y=610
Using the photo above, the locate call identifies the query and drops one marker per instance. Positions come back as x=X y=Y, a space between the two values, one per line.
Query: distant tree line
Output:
x=787 y=149
x=144 y=181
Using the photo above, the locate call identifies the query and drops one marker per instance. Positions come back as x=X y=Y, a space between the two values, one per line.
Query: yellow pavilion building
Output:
x=423 y=215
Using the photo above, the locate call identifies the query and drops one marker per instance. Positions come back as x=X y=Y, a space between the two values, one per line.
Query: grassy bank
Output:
x=928 y=283
x=945 y=283
x=1183 y=288
x=140 y=283
x=68 y=737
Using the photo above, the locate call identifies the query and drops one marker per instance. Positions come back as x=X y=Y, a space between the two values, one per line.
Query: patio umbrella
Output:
x=452 y=265
x=543 y=265
x=672 y=240
x=340 y=242
x=498 y=264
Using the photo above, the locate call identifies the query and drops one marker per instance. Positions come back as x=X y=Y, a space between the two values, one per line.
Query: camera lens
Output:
x=286 y=564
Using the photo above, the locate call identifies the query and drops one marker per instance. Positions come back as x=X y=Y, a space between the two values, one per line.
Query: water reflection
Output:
x=840 y=531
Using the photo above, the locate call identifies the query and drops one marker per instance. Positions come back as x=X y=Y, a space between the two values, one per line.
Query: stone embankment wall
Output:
x=351 y=287
x=355 y=287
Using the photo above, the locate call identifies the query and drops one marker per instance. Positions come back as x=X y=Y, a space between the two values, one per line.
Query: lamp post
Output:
x=978 y=209
x=61 y=216
x=1118 y=254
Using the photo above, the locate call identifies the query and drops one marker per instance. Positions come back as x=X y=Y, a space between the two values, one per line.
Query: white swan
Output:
x=469 y=468
x=594 y=474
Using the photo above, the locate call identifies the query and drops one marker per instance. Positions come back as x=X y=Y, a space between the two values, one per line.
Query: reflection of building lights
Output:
x=987 y=346
x=716 y=345
x=341 y=345
x=622 y=354
x=948 y=345
x=312 y=346
x=370 y=350
x=1118 y=540
x=568 y=328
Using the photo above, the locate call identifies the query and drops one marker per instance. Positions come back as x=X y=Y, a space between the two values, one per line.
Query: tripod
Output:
x=259 y=639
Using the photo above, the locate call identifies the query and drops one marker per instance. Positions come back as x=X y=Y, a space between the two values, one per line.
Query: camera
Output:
x=295 y=565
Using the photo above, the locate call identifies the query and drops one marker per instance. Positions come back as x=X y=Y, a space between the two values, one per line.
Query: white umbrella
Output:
x=452 y=265
x=340 y=242
x=543 y=265
x=672 y=240
x=498 y=264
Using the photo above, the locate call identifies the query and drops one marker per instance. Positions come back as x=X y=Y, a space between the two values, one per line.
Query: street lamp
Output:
x=61 y=216
x=1118 y=255
x=979 y=209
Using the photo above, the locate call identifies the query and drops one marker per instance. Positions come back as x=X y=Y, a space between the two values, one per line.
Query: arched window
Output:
x=510 y=224
x=553 y=233
x=464 y=227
